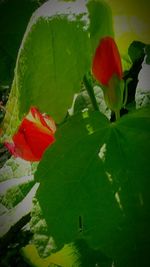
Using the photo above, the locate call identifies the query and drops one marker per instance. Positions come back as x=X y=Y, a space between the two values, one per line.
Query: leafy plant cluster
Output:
x=86 y=202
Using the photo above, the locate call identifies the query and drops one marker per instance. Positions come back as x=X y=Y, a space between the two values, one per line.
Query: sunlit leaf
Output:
x=67 y=257
x=94 y=183
x=55 y=54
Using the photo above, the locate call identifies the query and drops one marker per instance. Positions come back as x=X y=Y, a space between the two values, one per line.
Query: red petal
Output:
x=34 y=135
x=32 y=140
x=22 y=148
x=45 y=120
x=107 y=61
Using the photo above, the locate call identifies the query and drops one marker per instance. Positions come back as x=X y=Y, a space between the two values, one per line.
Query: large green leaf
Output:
x=54 y=67
x=55 y=54
x=94 y=184
x=101 y=23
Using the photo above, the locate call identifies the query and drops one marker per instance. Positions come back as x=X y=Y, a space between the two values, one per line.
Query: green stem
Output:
x=90 y=91
x=126 y=91
x=117 y=114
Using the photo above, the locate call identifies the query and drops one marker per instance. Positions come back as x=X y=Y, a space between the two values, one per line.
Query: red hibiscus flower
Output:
x=34 y=135
x=107 y=61
x=107 y=69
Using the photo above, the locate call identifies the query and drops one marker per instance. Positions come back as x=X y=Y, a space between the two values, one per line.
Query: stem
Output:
x=126 y=96
x=90 y=91
x=126 y=91
x=117 y=114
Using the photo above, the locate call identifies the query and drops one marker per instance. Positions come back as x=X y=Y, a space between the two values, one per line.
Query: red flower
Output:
x=107 y=69
x=107 y=61
x=34 y=135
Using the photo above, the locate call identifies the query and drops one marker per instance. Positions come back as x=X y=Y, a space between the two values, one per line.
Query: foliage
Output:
x=52 y=77
x=41 y=251
x=102 y=193
x=17 y=187
x=92 y=201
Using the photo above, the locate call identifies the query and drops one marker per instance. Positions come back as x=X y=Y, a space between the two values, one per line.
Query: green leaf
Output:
x=51 y=68
x=80 y=253
x=55 y=53
x=94 y=184
x=101 y=23
x=136 y=51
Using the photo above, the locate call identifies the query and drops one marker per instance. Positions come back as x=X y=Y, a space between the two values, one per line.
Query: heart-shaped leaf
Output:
x=94 y=183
